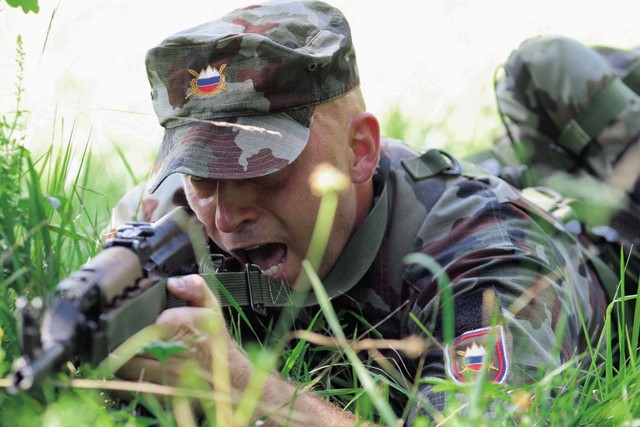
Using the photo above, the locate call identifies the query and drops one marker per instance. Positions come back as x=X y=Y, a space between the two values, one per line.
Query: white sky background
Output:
x=425 y=56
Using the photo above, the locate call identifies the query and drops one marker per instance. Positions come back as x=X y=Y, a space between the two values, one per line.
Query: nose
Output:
x=235 y=205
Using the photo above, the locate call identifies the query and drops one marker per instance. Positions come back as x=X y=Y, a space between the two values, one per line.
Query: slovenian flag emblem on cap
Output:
x=207 y=82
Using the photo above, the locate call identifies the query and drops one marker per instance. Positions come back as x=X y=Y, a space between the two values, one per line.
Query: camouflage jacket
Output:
x=517 y=277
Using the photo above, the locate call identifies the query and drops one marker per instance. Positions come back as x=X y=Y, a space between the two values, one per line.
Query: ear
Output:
x=364 y=137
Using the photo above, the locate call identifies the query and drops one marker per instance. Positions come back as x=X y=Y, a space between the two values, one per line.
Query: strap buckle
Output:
x=258 y=307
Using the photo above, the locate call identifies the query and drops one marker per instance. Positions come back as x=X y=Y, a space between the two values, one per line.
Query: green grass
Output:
x=52 y=214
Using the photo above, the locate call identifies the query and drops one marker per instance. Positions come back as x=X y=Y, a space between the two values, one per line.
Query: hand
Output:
x=198 y=326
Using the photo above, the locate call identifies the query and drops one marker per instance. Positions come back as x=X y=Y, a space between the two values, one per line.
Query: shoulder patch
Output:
x=477 y=350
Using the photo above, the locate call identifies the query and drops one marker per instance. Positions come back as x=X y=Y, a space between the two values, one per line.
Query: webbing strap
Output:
x=250 y=288
x=577 y=134
x=632 y=79
x=431 y=163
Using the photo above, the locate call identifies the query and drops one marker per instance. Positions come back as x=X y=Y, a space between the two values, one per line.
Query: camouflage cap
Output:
x=236 y=95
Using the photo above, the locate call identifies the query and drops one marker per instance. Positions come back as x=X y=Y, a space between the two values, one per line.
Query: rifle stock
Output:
x=109 y=299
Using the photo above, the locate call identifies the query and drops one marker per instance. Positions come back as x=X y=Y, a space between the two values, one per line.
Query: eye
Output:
x=273 y=180
x=201 y=183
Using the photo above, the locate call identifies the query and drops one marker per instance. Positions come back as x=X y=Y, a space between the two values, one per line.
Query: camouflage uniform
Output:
x=504 y=257
x=572 y=116
x=517 y=277
x=509 y=264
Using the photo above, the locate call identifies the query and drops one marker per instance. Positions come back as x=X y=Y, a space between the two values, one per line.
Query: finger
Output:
x=193 y=290
x=142 y=368
x=183 y=323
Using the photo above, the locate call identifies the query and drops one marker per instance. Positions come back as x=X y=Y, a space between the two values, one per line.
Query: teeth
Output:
x=272 y=270
x=252 y=248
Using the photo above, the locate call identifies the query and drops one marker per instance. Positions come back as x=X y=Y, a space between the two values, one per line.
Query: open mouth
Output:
x=270 y=257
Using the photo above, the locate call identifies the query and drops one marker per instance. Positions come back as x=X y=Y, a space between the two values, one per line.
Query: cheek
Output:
x=204 y=207
x=294 y=209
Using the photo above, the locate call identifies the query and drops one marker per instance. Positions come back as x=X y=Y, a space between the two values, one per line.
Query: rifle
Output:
x=116 y=294
x=123 y=289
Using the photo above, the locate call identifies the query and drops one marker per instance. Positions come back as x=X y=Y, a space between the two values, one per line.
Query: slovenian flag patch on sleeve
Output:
x=477 y=351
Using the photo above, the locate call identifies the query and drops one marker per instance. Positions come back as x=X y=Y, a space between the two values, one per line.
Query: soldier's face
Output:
x=269 y=220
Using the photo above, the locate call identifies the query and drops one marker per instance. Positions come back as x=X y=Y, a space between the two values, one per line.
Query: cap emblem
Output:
x=207 y=82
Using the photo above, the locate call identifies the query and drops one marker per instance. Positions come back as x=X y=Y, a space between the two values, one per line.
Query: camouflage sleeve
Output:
x=518 y=281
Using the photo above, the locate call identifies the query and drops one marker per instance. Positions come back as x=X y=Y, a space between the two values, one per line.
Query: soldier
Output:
x=572 y=115
x=252 y=103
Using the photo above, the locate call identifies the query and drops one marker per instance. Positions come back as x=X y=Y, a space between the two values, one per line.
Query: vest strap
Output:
x=577 y=134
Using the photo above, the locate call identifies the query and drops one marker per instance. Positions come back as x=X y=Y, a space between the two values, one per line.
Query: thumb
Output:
x=193 y=290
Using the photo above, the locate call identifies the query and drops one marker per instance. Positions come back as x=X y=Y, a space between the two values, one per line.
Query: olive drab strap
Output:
x=431 y=163
x=249 y=288
x=577 y=134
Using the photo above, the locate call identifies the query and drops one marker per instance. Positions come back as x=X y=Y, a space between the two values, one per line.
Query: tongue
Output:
x=267 y=256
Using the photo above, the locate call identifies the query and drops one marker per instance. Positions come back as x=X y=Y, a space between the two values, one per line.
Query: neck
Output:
x=364 y=202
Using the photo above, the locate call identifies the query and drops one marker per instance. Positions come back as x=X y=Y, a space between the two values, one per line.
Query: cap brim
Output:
x=238 y=148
